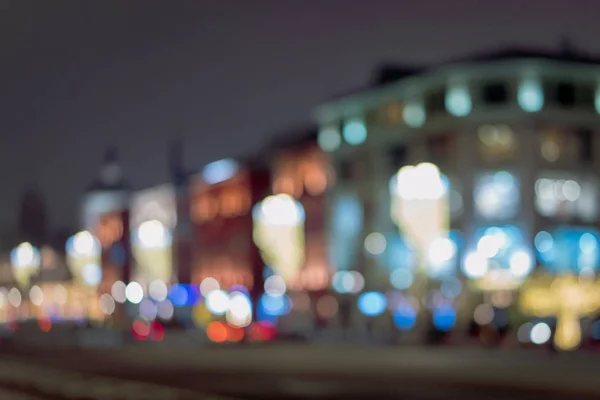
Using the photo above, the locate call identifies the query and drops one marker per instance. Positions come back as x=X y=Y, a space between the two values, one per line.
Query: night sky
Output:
x=77 y=76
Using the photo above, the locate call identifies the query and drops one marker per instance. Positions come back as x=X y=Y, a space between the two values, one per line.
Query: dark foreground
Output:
x=301 y=371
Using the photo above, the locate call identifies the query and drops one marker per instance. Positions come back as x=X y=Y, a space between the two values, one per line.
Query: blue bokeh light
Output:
x=182 y=295
x=354 y=131
x=220 y=171
x=274 y=306
x=444 y=317
x=372 y=304
x=405 y=317
x=568 y=249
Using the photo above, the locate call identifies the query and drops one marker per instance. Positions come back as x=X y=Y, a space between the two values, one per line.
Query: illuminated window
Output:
x=414 y=114
x=315 y=180
x=329 y=139
x=110 y=230
x=458 y=100
x=355 y=131
x=393 y=112
x=231 y=203
x=568 y=249
x=346 y=226
x=530 y=95
x=497 y=142
x=562 y=196
x=288 y=184
x=496 y=195
x=563 y=146
x=205 y=208
x=499 y=248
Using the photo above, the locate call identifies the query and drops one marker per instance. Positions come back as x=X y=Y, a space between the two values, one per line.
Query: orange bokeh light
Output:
x=235 y=334
x=217 y=332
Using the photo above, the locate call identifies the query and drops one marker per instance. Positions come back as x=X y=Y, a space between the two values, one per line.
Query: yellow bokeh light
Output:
x=565 y=297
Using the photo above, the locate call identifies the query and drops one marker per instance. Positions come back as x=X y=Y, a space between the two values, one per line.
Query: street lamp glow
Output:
x=421 y=210
x=279 y=234
x=83 y=258
x=25 y=261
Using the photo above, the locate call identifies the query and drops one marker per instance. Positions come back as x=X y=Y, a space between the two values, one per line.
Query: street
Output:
x=297 y=371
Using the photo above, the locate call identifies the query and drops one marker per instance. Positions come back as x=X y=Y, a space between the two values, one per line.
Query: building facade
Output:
x=515 y=138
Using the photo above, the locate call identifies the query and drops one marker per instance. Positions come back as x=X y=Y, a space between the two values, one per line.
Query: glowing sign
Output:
x=567 y=297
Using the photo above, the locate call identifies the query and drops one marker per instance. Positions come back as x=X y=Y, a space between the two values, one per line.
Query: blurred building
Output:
x=105 y=215
x=222 y=197
x=514 y=137
x=299 y=168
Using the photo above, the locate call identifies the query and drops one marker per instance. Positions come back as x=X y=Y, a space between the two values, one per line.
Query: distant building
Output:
x=109 y=192
x=515 y=135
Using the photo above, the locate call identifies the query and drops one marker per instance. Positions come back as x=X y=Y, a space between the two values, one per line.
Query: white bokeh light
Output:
x=208 y=285
x=520 y=264
x=14 y=297
x=441 y=251
x=540 y=333
x=217 y=302
x=275 y=286
x=239 y=312
x=36 y=295
x=83 y=244
x=107 y=304
x=134 y=292
x=158 y=290
x=25 y=256
x=153 y=235
x=375 y=243
x=421 y=182
x=118 y=291
x=280 y=210
x=475 y=265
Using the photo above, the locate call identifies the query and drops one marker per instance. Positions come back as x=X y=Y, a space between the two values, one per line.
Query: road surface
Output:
x=306 y=372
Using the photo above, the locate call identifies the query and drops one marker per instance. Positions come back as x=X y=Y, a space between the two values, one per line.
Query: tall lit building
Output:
x=106 y=216
x=222 y=197
x=514 y=137
x=300 y=169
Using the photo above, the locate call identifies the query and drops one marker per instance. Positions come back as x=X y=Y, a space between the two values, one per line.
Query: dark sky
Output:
x=76 y=76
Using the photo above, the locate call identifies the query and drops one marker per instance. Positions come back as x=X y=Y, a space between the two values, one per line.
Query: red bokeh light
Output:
x=263 y=331
x=45 y=324
x=157 y=331
x=140 y=330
